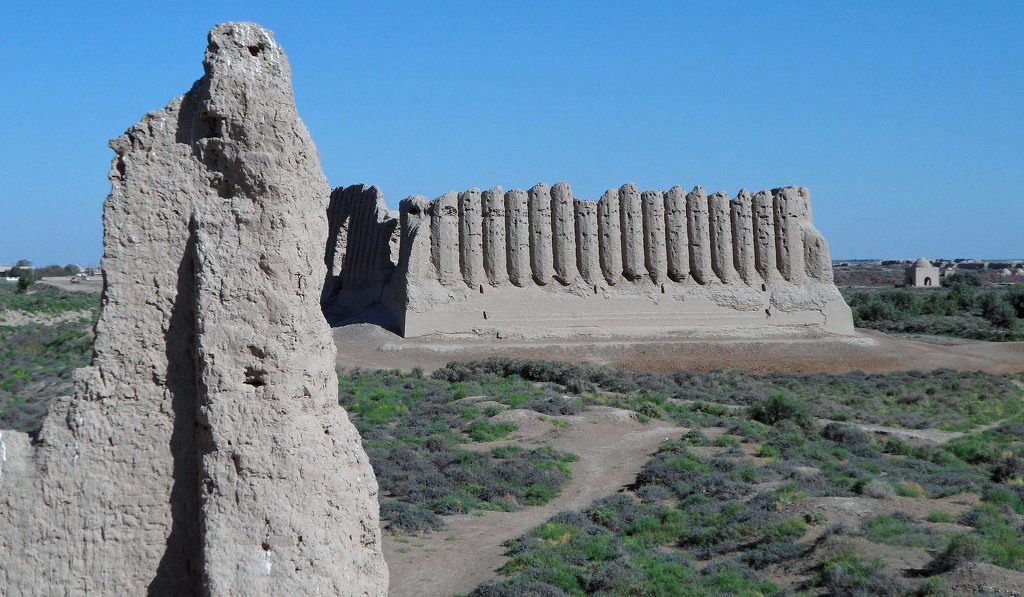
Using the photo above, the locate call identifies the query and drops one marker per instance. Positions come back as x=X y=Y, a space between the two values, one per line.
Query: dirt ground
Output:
x=93 y=285
x=613 y=448
x=365 y=345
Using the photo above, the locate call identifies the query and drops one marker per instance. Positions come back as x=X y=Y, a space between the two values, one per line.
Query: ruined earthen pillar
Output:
x=563 y=233
x=743 y=236
x=721 y=238
x=817 y=258
x=791 y=207
x=588 y=252
x=444 y=238
x=204 y=451
x=765 y=257
x=631 y=213
x=653 y=203
x=698 y=229
x=517 y=235
x=677 y=248
x=495 y=255
x=609 y=229
x=471 y=238
x=541 y=259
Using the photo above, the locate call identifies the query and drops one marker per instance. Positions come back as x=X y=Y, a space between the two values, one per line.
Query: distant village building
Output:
x=922 y=274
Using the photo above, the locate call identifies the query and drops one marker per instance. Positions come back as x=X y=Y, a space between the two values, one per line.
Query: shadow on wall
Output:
x=362 y=247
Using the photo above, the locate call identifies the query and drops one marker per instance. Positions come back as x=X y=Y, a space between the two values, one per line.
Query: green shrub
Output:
x=940 y=516
x=694 y=437
x=726 y=441
x=485 y=431
x=780 y=406
x=962 y=548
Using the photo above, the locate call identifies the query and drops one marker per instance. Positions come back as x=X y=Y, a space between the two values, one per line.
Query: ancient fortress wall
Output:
x=544 y=262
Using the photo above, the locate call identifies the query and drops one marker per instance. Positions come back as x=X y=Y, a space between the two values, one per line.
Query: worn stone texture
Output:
x=699 y=231
x=610 y=241
x=631 y=214
x=765 y=257
x=743 y=236
x=444 y=237
x=677 y=250
x=792 y=208
x=721 y=237
x=471 y=238
x=654 y=235
x=541 y=257
x=563 y=233
x=203 y=451
x=495 y=254
x=362 y=238
x=588 y=255
x=517 y=235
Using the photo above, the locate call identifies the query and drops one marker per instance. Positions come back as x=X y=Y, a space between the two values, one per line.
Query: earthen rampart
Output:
x=544 y=261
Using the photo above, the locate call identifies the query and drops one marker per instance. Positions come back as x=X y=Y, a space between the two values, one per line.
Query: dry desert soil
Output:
x=614 y=446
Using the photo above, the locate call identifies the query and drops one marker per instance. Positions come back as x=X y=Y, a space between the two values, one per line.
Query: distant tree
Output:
x=1016 y=298
x=23 y=263
x=967 y=278
x=24 y=282
x=997 y=311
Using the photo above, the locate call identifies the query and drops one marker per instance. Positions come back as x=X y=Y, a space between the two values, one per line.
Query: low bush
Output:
x=780 y=406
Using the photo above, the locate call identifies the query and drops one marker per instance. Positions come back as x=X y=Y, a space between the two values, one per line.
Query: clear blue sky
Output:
x=905 y=119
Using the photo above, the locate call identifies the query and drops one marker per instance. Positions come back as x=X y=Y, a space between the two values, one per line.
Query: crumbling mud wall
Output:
x=204 y=451
x=545 y=262
x=362 y=248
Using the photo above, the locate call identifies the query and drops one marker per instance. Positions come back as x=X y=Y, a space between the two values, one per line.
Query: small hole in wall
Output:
x=485 y=314
x=764 y=288
x=481 y=289
x=595 y=288
x=663 y=289
x=254 y=377
x=254 y=50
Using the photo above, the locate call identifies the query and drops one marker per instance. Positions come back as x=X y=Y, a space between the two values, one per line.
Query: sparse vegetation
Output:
x=37 y=359
x=963 y=309
x=418 y=434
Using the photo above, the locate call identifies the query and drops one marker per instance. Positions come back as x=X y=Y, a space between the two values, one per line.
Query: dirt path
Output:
x=871 y=351
x=613 y=447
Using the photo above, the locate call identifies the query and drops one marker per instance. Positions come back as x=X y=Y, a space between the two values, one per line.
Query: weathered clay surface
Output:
x=765 y=258
x=743 y=236
x=495 y=256
x=541 y=259
x=721 y=237
x=676 y=244
x=471 y=238
x=444 y=237
x=362 y=236
x=588 y=242
x=698 y=230
x=632 y=223
x=517 y=228
x=204 y=451
x=563 y=230
x=610 y=242
x=654 y=235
